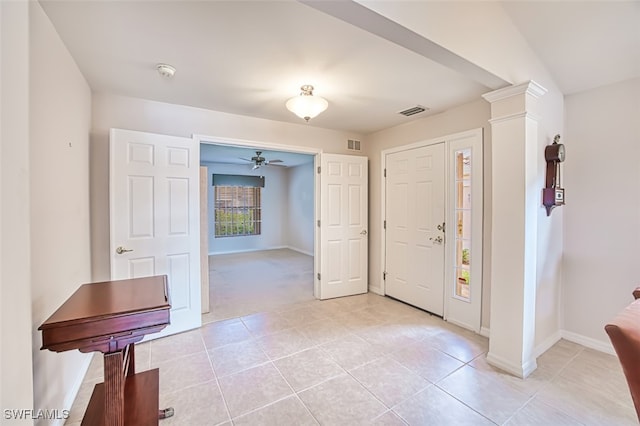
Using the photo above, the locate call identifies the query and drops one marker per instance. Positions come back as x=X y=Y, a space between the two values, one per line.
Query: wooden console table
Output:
x=110 y=317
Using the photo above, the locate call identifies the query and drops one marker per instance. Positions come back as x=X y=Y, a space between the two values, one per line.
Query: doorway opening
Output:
x=260 y=249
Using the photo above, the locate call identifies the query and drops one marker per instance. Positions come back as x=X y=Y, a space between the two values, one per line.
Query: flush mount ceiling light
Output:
x=165 y=70
x=306 y=105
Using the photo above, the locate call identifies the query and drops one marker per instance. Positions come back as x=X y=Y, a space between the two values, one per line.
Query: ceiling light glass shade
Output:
x=306 y=105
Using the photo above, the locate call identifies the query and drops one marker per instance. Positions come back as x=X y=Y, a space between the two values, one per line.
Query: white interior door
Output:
x=415 y=211
x=344 y=226
x=154 y=217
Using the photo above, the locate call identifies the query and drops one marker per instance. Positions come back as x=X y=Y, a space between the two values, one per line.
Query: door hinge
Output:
x=318 y=223
x=385 y=172
x=384 y=276
x=318 y=169
x=318 y=276
x=384 y=224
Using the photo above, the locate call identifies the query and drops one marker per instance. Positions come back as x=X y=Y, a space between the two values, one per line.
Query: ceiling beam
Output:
x=375 y=23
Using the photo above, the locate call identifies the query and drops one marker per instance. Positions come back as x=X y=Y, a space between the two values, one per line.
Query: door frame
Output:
x=449 y=189
x=316 y=152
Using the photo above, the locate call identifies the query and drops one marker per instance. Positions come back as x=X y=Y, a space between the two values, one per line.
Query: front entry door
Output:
x=415 y=212
x=344 y=226
x=154 y=217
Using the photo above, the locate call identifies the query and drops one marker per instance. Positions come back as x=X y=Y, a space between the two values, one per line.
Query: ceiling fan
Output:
x=259 y=161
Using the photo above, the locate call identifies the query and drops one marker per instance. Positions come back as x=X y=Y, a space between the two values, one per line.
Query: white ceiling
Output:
x=584 y=44
x=248 y=57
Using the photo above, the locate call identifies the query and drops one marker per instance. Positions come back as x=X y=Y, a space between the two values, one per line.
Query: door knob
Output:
x=363 y=232
x=121 y=250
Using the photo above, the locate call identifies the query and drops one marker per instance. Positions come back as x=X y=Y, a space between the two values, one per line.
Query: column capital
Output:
x=530 y=88
x=512 y=101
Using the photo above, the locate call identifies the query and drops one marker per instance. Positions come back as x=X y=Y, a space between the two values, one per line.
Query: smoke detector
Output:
x=165 y=70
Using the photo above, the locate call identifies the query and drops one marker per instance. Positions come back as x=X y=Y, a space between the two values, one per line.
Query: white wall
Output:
x=602 y=215
x=16 y=387
x=157 y=117
x=465 y=117
x=483 y=33
x=274 y=200
x=300 y=226
x=60 y=118
x=549 y=233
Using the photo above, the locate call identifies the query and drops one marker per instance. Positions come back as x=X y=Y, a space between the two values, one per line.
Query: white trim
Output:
x=447 y=139
x=377 y=290
x=588 y=342
x=517 y=115
x=530 y=87
x=521 y=371
x=316 y=152
x=469 y=313
x=247 y=250
x=218 y=140
x=308 y=253
x=75 y=388
x=547 y=344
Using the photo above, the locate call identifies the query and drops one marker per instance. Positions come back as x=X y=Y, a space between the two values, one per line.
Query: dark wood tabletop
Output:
x=111 y=310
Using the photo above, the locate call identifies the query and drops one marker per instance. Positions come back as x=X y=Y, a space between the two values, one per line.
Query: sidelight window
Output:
x=463 y=206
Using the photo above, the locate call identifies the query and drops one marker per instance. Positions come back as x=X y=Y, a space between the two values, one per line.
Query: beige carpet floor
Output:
x=241 y=284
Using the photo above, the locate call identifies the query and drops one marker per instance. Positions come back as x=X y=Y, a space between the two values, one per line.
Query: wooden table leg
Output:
x=114 y=388
x=131 y=362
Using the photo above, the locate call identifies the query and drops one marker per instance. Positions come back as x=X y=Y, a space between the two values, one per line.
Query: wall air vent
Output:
x=413 y=110
x=353 y=145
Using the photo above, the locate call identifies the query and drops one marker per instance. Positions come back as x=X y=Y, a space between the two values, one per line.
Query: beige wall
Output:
x=465 y=117
x=169 y=119
x=602 y=215
x=16 y=390
x=60 y=118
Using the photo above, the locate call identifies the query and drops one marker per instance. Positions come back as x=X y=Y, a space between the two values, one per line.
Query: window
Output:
x=237 y=210
x=463 y=223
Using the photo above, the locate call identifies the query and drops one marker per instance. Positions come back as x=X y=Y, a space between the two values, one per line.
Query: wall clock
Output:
x=553 y=193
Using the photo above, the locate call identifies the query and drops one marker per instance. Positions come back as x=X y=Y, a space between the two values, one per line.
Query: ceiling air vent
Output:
x=353 y=145
x=413 y=110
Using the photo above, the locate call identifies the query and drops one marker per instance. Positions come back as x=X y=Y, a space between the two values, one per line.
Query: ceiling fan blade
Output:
x=246 y=159
x=255 y=166
x=274 y=161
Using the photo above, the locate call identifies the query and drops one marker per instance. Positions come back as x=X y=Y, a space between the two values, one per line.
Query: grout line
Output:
x=224 y=399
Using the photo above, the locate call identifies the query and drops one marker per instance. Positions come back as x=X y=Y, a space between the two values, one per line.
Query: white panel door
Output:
x=154 y=211
x=415 y=208
x=344 y=226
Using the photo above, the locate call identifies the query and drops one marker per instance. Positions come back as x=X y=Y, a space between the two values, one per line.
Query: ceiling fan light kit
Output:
x=259 y=161
x=306 y=105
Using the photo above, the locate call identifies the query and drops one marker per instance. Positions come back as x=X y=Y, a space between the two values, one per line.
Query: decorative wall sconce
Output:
x=553 y=193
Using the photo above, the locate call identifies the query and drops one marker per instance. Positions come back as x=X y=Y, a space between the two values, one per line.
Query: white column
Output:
x=516 y=199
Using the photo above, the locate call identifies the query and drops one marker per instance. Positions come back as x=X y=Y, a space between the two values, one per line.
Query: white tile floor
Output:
x=366 y=360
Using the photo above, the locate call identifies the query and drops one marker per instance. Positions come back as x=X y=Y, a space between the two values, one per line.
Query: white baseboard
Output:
x=73 y=392
x=517 y=370
x=247 y=250
x=588 y=342
x=547 y=344
x=376 y=290
x=300 y=251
